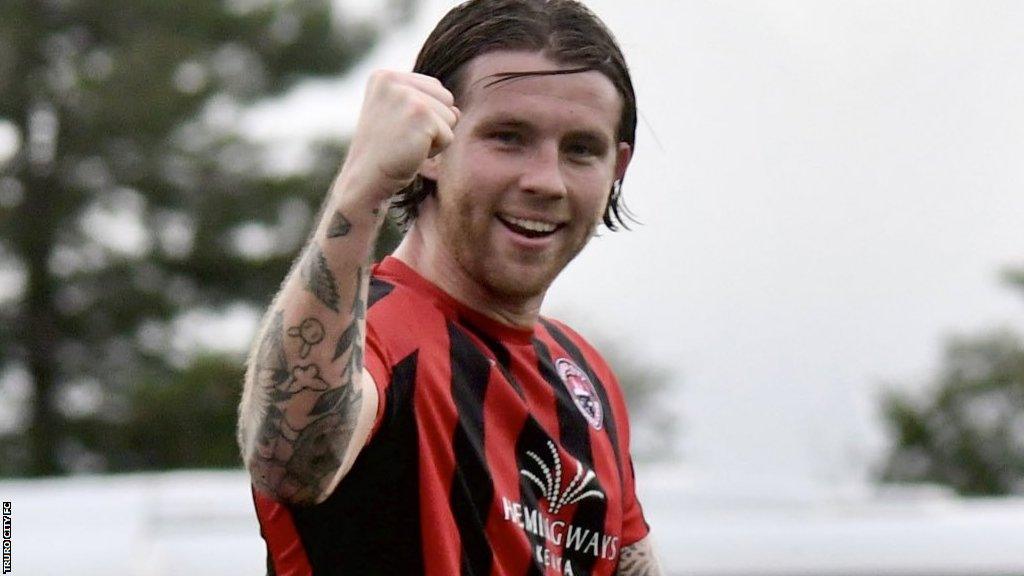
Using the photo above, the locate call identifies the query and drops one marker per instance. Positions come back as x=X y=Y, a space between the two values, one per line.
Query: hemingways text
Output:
x=7 y=537
x=561 y=534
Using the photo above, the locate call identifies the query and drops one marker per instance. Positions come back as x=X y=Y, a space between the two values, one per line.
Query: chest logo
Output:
x=548 y=477
x=582 y=391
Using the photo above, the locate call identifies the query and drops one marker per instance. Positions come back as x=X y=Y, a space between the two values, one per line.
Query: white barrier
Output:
x=202 y=523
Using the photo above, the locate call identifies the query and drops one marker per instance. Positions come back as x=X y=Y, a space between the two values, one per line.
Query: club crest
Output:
x=582 y=391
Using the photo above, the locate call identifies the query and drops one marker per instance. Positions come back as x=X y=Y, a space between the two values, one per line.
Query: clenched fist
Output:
x=406 y=118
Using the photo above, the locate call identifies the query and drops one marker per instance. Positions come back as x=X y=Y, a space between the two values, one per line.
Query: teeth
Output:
x=532 y=225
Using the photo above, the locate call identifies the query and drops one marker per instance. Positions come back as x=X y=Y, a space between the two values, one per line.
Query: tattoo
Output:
x=305 y=378
x=309 y=417
x=300 y=460
x=340 y=226
x=346 y=339
x=351 y=340
x=317 y=441
x=638 y=560
x=271 y=363
x=319 y=279
x=315 y=454
x=311 y=332
x=300 y=443
x=359 y=301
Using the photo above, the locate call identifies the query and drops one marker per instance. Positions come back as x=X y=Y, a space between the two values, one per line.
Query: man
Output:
x=422 y=417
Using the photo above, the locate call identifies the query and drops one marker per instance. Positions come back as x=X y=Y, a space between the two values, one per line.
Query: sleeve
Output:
x=634 y=525
x=376 y=360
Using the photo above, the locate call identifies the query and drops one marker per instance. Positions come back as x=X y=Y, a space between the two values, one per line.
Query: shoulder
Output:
x=575 y=344
x=591 y=362
x=401 y=319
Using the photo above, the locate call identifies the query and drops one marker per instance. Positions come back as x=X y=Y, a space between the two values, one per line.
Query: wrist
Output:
x=365 y=181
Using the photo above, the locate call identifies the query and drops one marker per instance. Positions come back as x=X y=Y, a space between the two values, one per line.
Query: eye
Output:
x=584 y=149
x=507 y=137
x=581 y=149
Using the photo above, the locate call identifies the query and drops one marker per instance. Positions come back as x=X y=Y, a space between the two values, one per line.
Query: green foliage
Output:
x=167 y=423
x=126 y=112
x=968 y=432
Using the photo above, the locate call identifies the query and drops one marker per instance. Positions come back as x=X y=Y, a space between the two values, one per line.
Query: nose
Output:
x=542 y=172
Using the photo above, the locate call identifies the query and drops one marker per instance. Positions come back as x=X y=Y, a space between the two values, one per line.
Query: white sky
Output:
x=836 y=186
x=827 y=190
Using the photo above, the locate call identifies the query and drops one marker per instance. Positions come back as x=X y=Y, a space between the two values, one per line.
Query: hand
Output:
x=405 y=119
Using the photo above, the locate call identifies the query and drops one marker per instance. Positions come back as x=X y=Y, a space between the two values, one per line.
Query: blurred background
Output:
x=818 y=319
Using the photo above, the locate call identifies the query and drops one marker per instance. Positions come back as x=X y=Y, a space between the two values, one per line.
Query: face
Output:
x=524 y=184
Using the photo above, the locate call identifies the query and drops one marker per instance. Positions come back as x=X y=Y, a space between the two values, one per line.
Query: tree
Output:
x=968 y=432
x=124 y=115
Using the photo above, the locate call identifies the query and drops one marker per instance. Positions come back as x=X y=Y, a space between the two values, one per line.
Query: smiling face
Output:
x=524 y=184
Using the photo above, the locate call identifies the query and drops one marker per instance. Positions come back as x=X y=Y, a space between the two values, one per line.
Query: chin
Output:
x=519 y=282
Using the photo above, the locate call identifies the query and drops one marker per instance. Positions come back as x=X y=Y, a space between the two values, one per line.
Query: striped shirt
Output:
x=495 y=451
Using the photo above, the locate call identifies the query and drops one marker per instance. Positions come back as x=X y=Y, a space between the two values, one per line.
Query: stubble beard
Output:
x=502 y=277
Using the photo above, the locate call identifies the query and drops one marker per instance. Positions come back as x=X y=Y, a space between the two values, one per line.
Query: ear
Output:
x=622 y=157
x=431 y=167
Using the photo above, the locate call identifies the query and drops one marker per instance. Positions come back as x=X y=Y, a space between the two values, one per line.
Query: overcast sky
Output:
x=827 y=190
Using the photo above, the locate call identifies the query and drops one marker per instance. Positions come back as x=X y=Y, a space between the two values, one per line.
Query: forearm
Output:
x=639 y=560
x=304 y=385
x=308 y=401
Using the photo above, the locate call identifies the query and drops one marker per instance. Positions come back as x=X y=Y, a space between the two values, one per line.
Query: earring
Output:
x=616 y=190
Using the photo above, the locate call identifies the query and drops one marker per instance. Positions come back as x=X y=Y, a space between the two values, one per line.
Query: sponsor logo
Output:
x=547 y=475
x=582 y=391
x=556 y=481
x=559 y=537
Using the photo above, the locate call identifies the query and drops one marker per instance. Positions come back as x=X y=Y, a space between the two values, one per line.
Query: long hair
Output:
x=565 y=31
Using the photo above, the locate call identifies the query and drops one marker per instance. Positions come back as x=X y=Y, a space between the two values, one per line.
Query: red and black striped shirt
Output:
x=496 y=451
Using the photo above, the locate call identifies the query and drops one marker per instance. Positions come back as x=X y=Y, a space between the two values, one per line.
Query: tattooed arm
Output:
x=639 y=560
x=308 y=404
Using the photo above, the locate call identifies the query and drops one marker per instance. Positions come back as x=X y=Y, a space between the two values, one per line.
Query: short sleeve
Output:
x=377 y=364
x=634 y=525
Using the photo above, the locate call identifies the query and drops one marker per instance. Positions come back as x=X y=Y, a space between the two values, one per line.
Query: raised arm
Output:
x=639 y=560
x=308 y=404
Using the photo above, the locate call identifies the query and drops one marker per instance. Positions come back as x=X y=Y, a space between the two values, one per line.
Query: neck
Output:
x=426 y=254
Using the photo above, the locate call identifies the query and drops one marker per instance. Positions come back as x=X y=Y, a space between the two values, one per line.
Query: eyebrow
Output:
x=500 y=122
x=505 y=123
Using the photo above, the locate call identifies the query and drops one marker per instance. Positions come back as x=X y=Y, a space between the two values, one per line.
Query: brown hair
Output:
x=564 y=30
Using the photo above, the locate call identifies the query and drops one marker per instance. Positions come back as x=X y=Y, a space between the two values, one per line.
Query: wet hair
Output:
x=565 y=31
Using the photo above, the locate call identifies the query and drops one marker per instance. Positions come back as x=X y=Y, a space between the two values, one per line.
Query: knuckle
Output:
x=382 y=80
x=376 y=78
x=418 y=110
